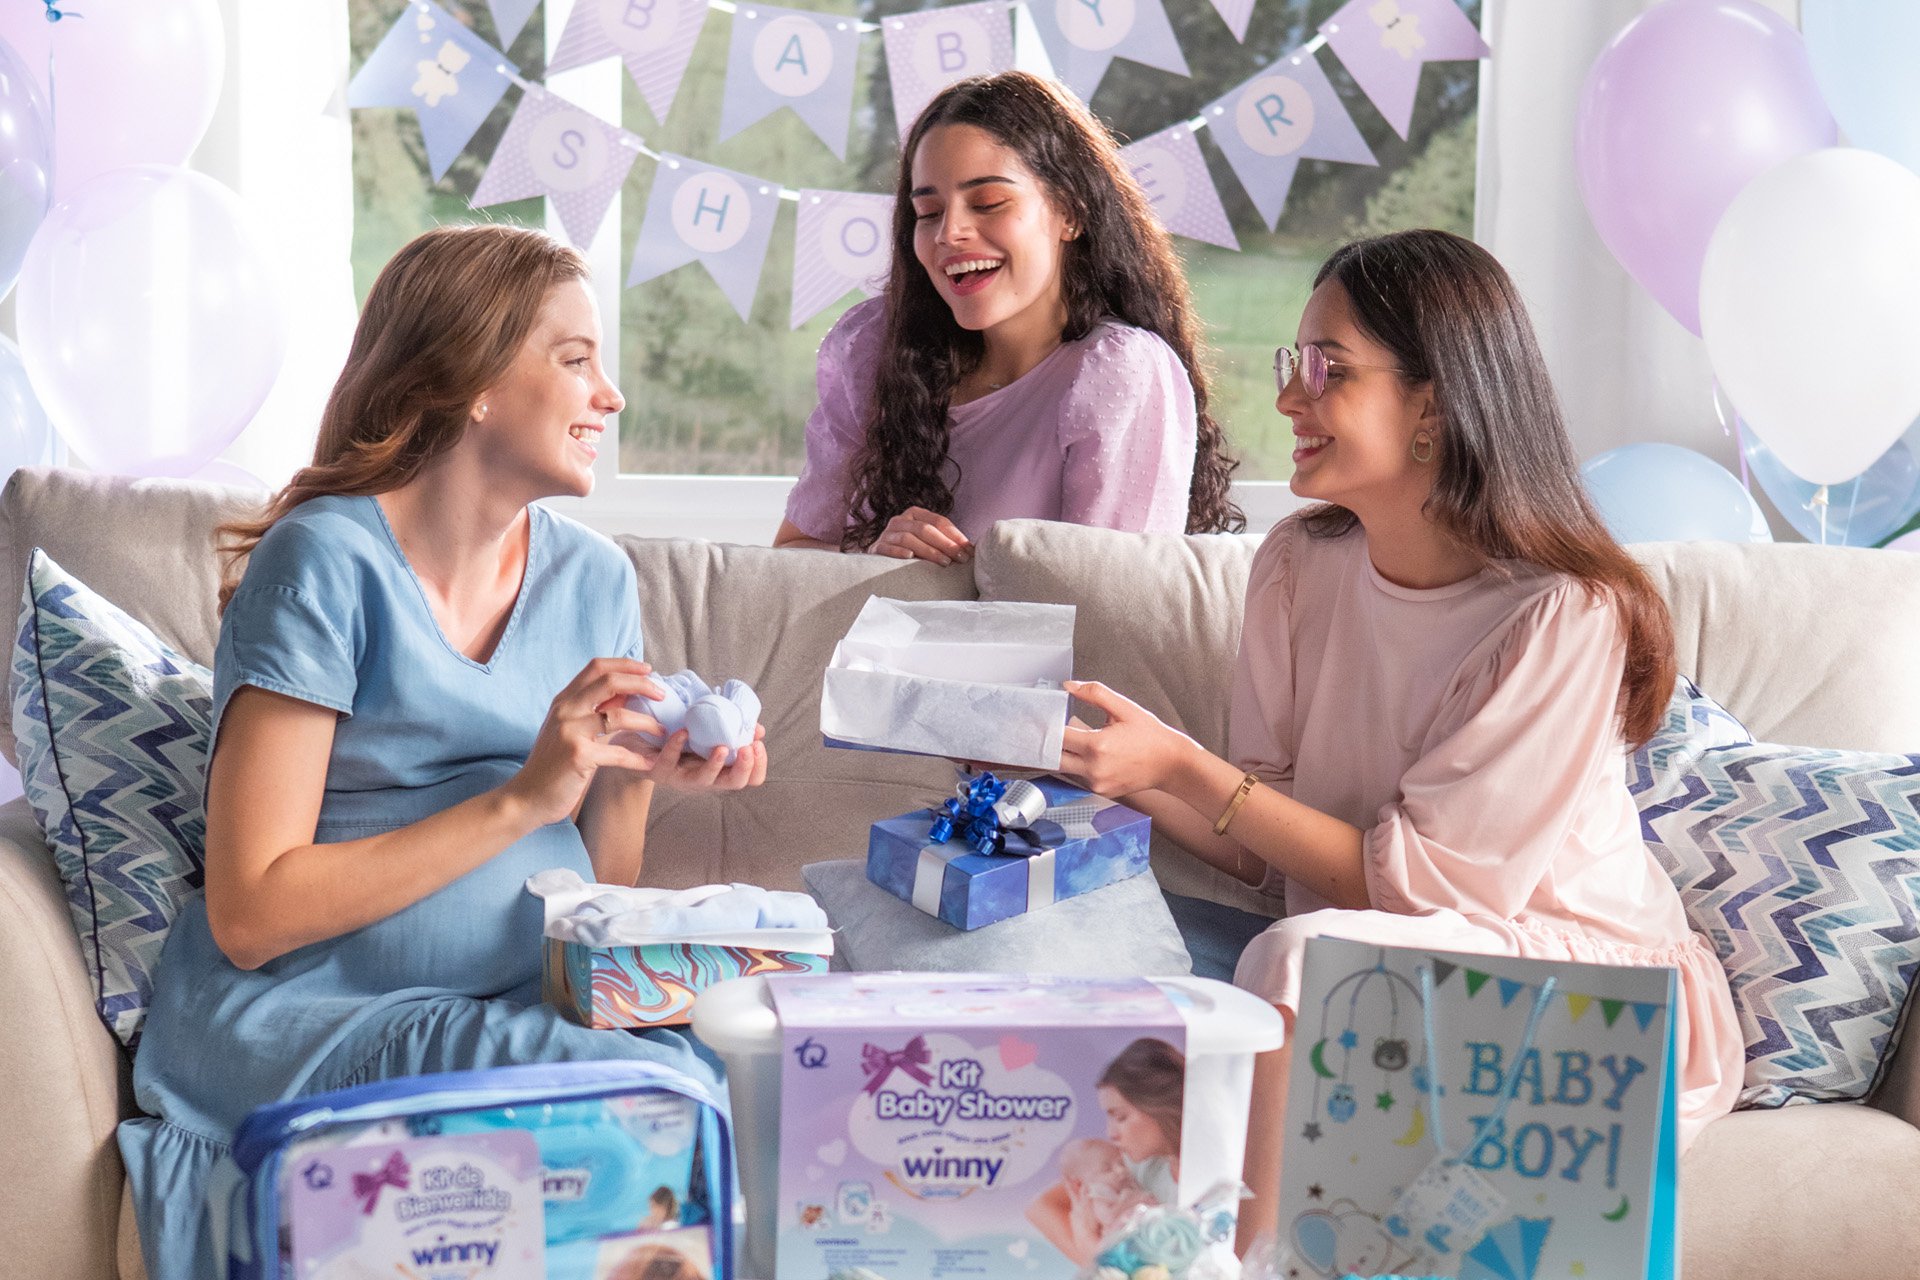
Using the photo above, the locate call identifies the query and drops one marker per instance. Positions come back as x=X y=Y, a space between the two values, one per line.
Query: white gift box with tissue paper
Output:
x=621 y=957
x=967 y=679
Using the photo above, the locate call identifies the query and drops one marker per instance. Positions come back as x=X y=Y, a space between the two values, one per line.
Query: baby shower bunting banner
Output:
x=1288 y=112
x=1384 y=43
x=654 y=38
x=431 y=62
x=928 y=51
x=841 y=243
x=1083 y=36
x=556 y=149
x=509 y=16
x=701 y=213
x=787 y=58
x=1171 y=170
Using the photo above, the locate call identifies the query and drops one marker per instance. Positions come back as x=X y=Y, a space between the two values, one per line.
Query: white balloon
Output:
x=1808 y=307
x=150 y=321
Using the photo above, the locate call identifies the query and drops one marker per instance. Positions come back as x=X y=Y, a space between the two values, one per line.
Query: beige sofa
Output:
x=1807 y=645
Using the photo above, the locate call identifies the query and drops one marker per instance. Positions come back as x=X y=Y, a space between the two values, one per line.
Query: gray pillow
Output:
x=1123 y=930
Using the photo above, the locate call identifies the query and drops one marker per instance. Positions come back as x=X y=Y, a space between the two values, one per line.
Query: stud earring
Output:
x=1422 y=449
x=480 y=411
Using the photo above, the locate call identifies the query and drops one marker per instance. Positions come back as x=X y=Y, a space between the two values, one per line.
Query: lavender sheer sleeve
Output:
x=819 y=504
x=1127 y=430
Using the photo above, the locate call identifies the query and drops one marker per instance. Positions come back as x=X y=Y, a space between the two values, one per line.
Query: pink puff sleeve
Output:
x=819 y=504
x=1515 y=769
x=1127 y=430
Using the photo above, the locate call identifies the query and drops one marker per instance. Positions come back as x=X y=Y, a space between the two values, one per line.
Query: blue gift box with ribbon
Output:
x=998 y=850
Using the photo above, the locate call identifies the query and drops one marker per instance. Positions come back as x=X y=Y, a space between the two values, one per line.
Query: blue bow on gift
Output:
x=982 y=811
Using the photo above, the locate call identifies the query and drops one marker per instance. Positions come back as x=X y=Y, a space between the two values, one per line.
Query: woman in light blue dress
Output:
x=419 y=701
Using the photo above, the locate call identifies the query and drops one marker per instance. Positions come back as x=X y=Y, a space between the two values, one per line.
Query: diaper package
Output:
x=615 y=956
x=576 y=1171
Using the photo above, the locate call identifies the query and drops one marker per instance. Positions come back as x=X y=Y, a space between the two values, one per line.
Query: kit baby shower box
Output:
x=1077 y=843
x=568 y=1171
x=874 y=1067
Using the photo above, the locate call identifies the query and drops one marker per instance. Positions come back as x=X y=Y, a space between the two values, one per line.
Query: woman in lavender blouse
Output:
x=1034 y=354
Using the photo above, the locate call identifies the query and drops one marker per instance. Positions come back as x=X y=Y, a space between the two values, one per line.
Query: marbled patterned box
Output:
x=651 y=985
x=1083 y=842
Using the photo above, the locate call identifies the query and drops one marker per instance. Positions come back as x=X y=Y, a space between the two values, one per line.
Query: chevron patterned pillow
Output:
x=1802 y=865
x=112 y=727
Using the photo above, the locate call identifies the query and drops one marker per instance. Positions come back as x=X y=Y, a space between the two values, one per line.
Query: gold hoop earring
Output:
x=1420 y=453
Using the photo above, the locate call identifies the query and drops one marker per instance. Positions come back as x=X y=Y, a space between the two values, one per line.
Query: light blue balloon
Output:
x=1860 y=513
x=26 y=162
x=1863 y=54
x=1664 y=493
x=27 y=437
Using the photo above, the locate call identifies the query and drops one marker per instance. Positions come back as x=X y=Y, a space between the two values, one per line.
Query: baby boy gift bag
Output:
x=1479 y=1117
x=973 y=1126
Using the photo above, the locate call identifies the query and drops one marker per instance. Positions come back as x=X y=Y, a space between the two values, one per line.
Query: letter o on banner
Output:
x=1274 y=115
x=854 y=244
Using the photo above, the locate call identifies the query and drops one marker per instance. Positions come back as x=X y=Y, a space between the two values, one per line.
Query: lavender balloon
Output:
x=26 y=164
x=134 y=81
x=27 y=437
x=1689 y=103
x=150 y=320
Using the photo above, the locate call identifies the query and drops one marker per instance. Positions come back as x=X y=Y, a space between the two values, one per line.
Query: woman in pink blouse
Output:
x=1034 y=353
x=1440 y=676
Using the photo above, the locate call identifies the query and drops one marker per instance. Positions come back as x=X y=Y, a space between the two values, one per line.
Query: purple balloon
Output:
x=1689 y=103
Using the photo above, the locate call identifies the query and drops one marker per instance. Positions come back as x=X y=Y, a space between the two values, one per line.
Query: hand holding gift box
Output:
x=997 y=850
x=619 y=957
x=967 y=679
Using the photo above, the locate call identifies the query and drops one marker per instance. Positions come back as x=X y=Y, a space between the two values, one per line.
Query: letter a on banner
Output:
x=716 y=217
x=1084 y=36
x=785 y=58
x=431 y=62
x=1384 y=43
x=928 y=51
x=555 y=149
x=842 y=240
x=654 y=38
x=1171 y=170
x=1288 y=112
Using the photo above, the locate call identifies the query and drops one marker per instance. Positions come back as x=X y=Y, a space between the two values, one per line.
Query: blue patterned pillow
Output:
x=112 y=728
x=1802 y=865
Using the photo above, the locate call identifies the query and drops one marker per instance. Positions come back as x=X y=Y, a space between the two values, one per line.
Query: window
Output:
x=712 y=397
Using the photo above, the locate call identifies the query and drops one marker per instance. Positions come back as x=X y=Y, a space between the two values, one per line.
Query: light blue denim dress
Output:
x=331 y=613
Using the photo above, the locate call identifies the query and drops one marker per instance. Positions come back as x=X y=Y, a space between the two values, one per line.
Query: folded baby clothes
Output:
x=612 y=915
x=712 y=718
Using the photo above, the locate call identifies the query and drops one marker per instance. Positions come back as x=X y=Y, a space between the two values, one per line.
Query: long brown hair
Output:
x=1122 y=265
x=1152 y=1076
x=1507 y=482
x=442 y=323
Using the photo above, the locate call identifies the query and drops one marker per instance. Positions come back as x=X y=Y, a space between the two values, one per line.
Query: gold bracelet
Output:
x=1233 y=805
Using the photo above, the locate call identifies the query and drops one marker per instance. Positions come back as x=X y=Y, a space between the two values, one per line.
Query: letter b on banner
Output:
x=950 y=48
x=639 y=26
x=711 y=213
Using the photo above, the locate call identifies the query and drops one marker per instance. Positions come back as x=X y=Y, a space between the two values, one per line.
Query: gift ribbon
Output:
x=879 y=1064
x=366 y=1186
x=995 y=819
x=930 y=875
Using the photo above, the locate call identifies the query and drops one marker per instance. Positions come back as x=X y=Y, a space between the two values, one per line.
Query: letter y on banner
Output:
x=554 y=148
x=928 y=51
x=654 y=38
x=843 y=240
x=719 y=218
x=1084 y=36
x=431 y=62
x=786 y=58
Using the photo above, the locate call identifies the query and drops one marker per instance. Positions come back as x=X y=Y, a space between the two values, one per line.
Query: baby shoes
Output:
x=726 y=718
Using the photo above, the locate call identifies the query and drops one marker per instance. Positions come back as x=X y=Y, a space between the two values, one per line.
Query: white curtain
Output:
x=1626 y=371
x=282 y=142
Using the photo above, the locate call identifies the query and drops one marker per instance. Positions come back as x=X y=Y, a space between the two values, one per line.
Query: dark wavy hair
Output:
x=1507 y=482
x=1122 y=265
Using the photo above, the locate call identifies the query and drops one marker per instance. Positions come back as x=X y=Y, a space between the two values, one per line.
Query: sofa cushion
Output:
x=771 y=618
x=112 y=727
x=1801 y=864
x=1122 y=930
x=1158 y=619
x=1804 y=644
